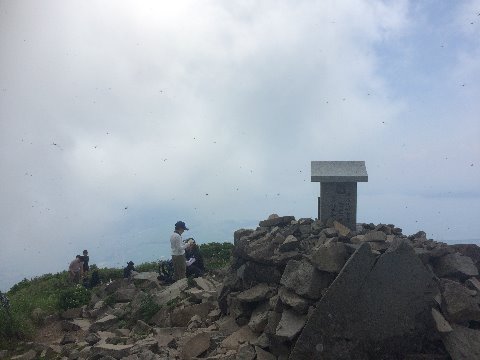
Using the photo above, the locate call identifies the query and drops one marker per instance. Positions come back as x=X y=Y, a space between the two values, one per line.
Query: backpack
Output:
x=165 y=270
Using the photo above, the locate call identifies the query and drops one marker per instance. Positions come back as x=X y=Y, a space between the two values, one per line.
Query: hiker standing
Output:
x=178 y=251
x=75 y=269
x=85 y=258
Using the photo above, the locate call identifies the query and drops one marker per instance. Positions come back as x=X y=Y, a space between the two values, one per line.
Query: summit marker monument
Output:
x=338 y=189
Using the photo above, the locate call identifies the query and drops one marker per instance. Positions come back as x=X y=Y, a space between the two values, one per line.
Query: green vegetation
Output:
x=32 y=300
x=216 y=255
x=148 y=308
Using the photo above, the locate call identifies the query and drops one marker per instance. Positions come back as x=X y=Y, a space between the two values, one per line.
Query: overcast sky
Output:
x=118 y=118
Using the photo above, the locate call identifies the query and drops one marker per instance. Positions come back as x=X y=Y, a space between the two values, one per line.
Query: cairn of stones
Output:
x=307 y=289
x=295 y=289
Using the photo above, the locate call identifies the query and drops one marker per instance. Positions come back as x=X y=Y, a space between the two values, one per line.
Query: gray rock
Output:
x=470 y=250
x=303 y=278
x=330 y=232
x=68 y=339
x=375 y=236
x=290 y=325
x=279 y=221
x=146 y=280
x=181 y=316
x=264 y=355
x=455 y=265
x=342 y=229
x=458 y=302
x=255 y=272
x=125 y=294
x=330 y=257
x=463 y=343
x=114 y=351
x=161 y=318
x=69 y=326
x=3 y=354
x=291 y=299
x=171 y=292
x=256 y=293
x=441 y=324
x=148 y=343
x=289 y=244
x=259 y=318
x=142 y=328
x=356 y=312
x=92 y=339
x=29 y=355
x=104 y=323
x=246 y=352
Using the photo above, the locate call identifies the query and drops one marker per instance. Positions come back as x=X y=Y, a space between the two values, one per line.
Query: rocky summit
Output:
x=295 y=289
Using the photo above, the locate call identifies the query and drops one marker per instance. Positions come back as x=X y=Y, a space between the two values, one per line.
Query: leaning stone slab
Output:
x=171 y=292
x=442 y=325
x=356 y=311
x=455 y=265
x=303 y=278
x=463 y=343
x=103 y=323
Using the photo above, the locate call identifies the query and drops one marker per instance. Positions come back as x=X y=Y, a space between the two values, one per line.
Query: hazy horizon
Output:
x=119 y=118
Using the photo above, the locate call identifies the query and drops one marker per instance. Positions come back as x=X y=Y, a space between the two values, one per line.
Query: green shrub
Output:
x=147 y=266
x=74 y=297
x=216 y=255
x=148 y=308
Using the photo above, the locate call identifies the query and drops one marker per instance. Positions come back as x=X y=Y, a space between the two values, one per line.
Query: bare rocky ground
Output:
x=296 y=289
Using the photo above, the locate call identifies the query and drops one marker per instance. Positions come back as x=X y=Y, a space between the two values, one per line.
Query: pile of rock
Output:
x=295 y=289
x=308 y=290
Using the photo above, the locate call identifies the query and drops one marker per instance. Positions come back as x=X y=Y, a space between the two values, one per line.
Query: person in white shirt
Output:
x=178 y=251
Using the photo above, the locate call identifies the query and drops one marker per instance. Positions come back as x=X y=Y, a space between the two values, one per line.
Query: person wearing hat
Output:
x=178 y=251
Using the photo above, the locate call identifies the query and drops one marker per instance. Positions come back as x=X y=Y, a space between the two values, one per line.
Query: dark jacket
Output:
x=194 y=251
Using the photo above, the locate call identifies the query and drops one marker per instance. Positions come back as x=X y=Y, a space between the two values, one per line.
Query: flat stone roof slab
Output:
x=339 y=171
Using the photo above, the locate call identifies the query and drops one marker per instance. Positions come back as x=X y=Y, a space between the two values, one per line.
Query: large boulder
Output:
x=330 y=257
x=304 y=279
x=459 y=303
x=355 y=317
x=455 y=265
x=181 y=316
x=463 y=343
